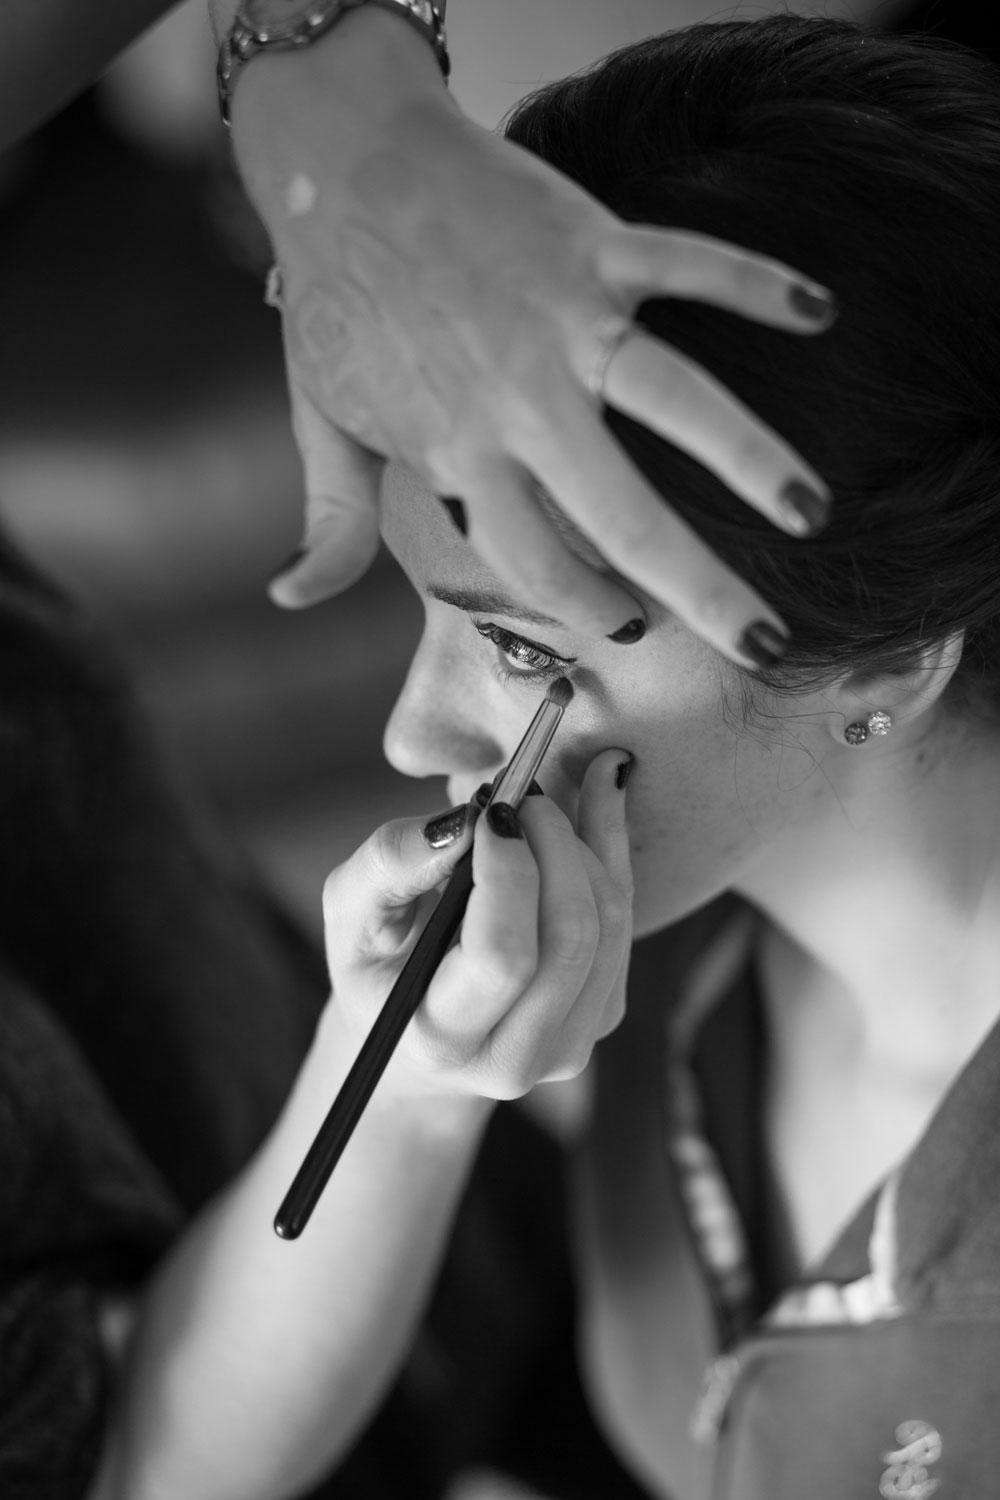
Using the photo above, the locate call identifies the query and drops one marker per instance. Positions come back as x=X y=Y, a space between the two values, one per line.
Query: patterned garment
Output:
x=719 y=1234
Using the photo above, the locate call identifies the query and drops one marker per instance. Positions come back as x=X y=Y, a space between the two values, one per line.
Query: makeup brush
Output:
x=406 y=994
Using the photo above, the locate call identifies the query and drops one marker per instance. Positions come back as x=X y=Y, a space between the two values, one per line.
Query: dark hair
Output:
x=871 y=163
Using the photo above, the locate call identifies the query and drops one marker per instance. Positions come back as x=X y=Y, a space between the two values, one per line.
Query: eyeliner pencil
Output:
x=406 y=994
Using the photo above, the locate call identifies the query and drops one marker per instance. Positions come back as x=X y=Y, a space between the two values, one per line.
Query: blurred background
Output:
x=145 y=453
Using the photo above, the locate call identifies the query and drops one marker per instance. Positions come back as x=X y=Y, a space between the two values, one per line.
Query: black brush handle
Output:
x=378 y=1047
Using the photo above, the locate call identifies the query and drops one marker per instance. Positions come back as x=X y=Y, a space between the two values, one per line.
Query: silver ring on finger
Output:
x=610 y=334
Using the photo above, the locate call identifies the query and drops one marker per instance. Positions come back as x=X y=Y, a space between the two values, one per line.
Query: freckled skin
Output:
x=710 y=799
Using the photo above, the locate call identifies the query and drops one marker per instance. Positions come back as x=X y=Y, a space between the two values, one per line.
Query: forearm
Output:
x=255 y=1361
x=54 y=48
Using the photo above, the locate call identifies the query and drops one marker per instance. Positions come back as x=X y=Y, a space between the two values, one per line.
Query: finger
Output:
x=681 y=401
x=613 y=1011
x=646 y=262
x=566 y=1048
x=507 y=526
x=603 y=826
x=593 y=480
x=567 y=911
x=601 y=815
x=497 y=954
x=341 y=534
x=523 y=1043
x=370 y=901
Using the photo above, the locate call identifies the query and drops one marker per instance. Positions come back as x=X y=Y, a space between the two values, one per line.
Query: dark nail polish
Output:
x=805 y=510
x=291 y=562
x=763 y=643
x=814 y=303
x=447 y=826
x=623 y=772
x=503 y=821
x=456 y=510
x=482 y=794
x=630 y=633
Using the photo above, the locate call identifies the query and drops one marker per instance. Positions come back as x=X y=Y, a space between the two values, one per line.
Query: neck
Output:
x=885 y=905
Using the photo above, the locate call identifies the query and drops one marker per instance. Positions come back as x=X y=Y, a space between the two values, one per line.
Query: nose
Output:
x=439 y=725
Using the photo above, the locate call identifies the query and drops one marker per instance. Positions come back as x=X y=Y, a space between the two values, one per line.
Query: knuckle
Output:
x=613 y=1016
x=641 y=527
x=574 y=1062
x=513 y=1069
x=714 y=606
x=547 y=570
x=521 y=1078
x=616 y=908
x=383 y=852
x=441 y=1050
x=504 y=973
x=749 y=278
x=752 y=454
x=505 y=1089
x=574 y=934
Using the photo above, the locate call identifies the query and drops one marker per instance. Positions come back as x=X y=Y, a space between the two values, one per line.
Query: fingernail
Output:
x=623 y=771
x=630 y=633
x=763 y=643
x=814 y=302
x=503 y=821
x=482 y=794
x=447 y=826
x=805 y=509
x=289 y=565
x=456 y=510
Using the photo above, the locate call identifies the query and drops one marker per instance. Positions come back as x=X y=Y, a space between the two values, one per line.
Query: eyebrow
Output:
x=491 y=602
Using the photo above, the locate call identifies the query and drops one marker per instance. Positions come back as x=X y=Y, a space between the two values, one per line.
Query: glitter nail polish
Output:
x=447 y=826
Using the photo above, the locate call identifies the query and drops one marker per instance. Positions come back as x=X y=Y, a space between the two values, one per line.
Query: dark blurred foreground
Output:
x=146 y=461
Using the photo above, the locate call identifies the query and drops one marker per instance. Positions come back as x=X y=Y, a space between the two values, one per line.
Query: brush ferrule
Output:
x=512 y=784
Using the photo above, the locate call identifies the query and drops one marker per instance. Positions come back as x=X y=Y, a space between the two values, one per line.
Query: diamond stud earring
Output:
x=877 y=723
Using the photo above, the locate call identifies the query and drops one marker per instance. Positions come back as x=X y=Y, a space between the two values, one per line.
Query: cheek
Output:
x=702 y=803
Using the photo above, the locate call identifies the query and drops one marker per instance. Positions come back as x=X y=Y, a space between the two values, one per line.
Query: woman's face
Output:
x=708 y=799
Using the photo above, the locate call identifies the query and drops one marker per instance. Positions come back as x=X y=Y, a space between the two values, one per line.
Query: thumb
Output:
x=377 y=892
x=341 y=533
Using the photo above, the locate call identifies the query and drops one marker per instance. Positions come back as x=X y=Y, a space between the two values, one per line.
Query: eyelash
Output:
x=542 y=664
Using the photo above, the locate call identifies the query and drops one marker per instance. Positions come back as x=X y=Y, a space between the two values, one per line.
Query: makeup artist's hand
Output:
x=538 y=975
x=449 y=300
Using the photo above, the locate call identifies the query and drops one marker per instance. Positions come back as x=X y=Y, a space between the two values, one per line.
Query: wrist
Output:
x=324 y=111
x=370 y=58
x=406 y=1104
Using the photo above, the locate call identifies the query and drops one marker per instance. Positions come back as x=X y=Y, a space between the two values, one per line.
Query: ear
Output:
x=907 y=696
